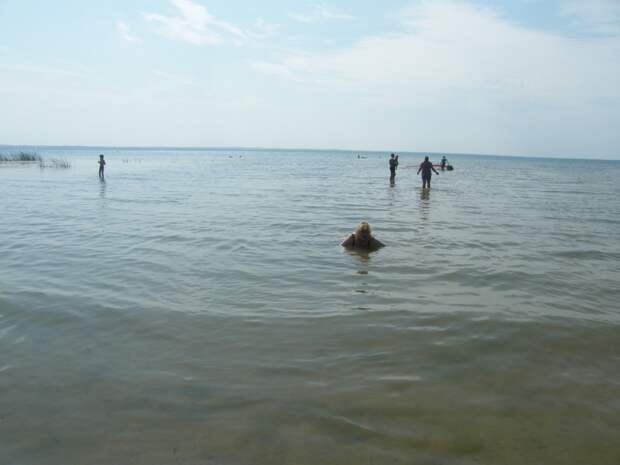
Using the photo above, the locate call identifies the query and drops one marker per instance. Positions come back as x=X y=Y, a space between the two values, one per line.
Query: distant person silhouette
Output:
x=101 y=166
x=444 y=161
x=362 y=238
x=393 y=165
x=426 y=167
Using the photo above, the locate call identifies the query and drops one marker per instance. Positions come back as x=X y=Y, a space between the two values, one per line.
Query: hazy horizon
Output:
x=35 y=147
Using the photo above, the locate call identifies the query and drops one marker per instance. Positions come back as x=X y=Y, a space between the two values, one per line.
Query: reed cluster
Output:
x=54 y=163
x=28 y=157
x=20 y=157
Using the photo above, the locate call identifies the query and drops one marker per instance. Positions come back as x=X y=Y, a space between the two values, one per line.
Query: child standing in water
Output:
x=101 y=166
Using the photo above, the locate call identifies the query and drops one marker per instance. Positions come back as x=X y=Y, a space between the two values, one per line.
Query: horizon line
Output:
x=293 y=149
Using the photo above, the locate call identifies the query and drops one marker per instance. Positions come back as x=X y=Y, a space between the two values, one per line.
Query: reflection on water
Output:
x=102 y=188
x=362 y=254
x=425 y=205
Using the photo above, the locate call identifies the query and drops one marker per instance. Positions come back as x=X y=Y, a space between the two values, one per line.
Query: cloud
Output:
x=194 y=24
x=283 y=70
x=601 y=16
x=467 y=77
x=448 y=46
x=123 y=30
x=264 y=28
x=319 y=13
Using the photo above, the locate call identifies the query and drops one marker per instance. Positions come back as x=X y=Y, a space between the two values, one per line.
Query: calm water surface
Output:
x=196 y=308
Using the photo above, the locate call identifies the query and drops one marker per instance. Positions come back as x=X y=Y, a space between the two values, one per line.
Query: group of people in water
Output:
x=362 y=238
x=426 y=168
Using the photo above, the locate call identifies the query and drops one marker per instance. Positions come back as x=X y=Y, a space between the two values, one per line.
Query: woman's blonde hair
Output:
x=363 y=229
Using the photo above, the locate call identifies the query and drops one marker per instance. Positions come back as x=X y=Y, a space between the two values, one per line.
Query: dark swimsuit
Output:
x=393 y=165
x=426 y=169
x=371 y=242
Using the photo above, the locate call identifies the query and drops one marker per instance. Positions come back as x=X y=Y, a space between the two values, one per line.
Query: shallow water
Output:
x=196 y=307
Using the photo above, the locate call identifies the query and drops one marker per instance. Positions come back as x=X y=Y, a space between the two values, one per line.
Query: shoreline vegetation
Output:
x=54 y=163
x=20 y=157
x=33 y=157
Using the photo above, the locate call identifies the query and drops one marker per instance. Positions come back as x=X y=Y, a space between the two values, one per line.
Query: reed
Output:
x=31 y=157
x=54 y=163
x=20 y=157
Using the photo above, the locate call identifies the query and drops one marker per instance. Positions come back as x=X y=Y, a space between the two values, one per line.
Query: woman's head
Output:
x=362 y=232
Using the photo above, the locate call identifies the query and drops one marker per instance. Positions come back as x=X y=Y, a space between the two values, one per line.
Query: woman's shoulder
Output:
x=376 y=243
x=348 y=241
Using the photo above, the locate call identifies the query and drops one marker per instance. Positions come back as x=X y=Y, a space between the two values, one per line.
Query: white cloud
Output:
x=194 y=24
x=319 y=13
x=276 y=69
x=449 y=46
x=596 y=15
x=465 y=76
x=264 y=28
x=123 y=30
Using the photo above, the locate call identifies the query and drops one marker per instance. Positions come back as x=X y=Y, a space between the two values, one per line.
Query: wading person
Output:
x=393 y=165
x=426 y=167
x=362 y=238
x=101 y=166
x=444 y=161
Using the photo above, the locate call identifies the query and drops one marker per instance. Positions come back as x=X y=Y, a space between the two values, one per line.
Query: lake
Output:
x=196 y=308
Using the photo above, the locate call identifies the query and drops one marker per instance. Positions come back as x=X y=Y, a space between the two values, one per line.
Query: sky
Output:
x=505 y=77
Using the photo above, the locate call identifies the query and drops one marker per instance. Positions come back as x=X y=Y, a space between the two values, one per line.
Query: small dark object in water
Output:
x=449 y=167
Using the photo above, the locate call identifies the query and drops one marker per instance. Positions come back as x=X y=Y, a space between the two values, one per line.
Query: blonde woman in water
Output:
x=362 y=239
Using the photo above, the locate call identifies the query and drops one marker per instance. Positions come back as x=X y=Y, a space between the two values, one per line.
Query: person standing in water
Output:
x=101 y=166
x=444 y=161
x=393 y=166
x=426 y=167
